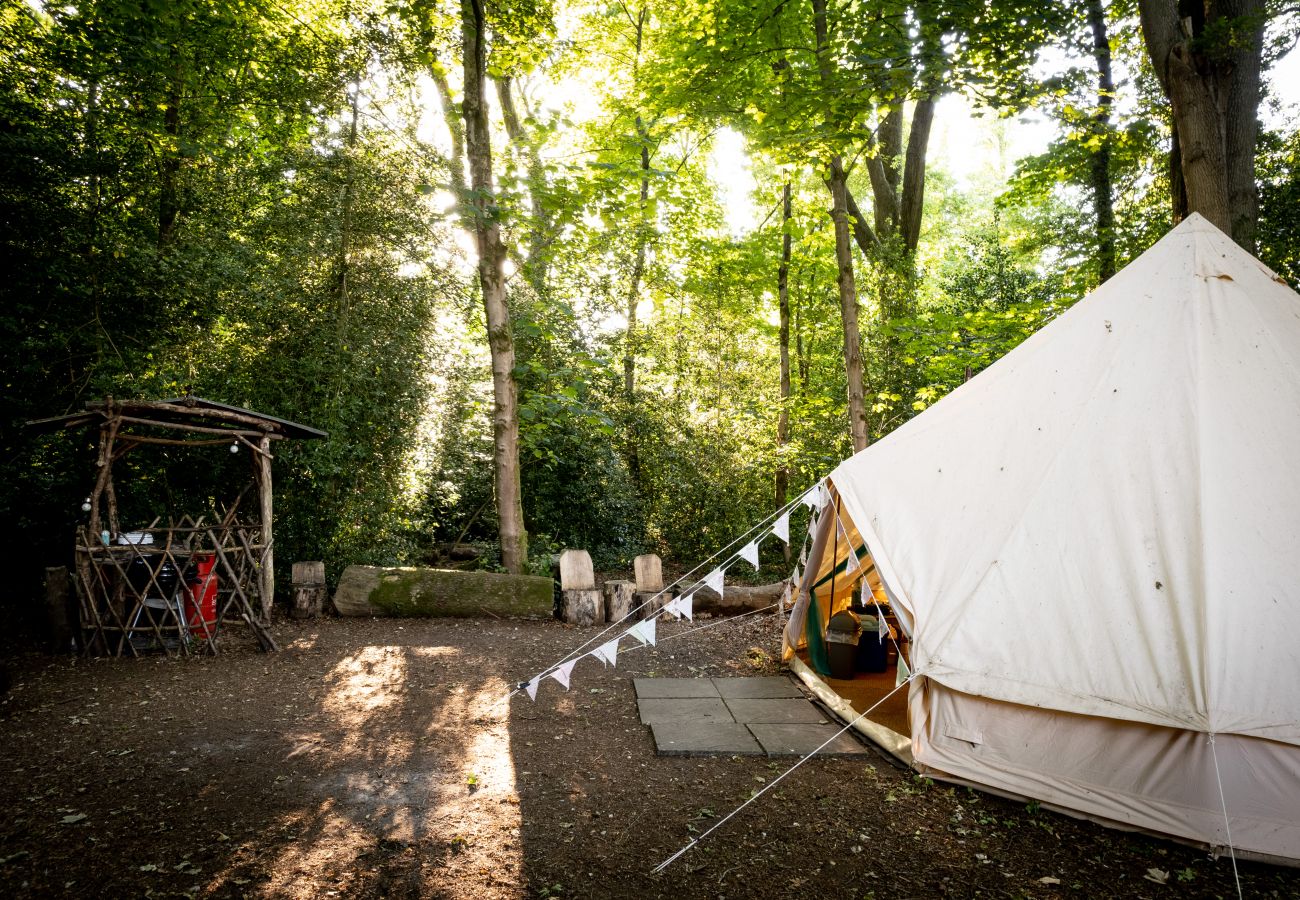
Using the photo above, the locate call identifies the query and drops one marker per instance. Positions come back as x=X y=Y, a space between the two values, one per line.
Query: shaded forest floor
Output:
x=378 y=759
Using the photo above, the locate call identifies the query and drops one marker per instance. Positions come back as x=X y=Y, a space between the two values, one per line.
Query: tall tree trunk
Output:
x=642 y=238
x=536 y=268
x=342 y=263
x=638 y=266
x=1102 y=191
x=1207 y=56
x=857 y=401
x=783 y=302
x=491 y=274
x=455 y=129
x=848 y=307
x=913 y=200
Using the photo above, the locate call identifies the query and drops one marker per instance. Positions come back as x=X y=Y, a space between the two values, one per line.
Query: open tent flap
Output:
x=829 y=583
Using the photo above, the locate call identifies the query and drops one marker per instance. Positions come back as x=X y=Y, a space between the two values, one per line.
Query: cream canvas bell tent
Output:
x=1094 y=548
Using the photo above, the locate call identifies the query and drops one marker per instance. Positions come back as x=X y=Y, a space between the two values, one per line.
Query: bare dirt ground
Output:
x=379 y=759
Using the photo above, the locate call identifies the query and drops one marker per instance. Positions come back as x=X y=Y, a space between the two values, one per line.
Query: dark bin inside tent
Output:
x=842 y=633
x=872 y=655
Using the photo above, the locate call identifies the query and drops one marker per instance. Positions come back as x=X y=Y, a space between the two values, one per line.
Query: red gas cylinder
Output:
x=201 y=595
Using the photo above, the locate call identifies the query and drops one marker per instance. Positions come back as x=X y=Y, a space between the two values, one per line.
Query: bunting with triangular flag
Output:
x=685 y=606
x=716 y=580
x=531 y=688
x=643 y=631
x=607 y=652
x=851 y=563
x=562 y=672
x=749 y=553
x=781 y=527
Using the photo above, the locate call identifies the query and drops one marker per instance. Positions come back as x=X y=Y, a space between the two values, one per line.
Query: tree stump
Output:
x=648 y=603
x=649 y=573
x=585 y=607
x=620 y=600
x=308 y=589
x=576 y=572
x=59 y=612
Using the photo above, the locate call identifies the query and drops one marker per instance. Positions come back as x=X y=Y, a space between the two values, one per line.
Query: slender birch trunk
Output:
x=492 y=281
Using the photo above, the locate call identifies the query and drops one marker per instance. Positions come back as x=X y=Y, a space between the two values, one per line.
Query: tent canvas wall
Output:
x=1095 y=548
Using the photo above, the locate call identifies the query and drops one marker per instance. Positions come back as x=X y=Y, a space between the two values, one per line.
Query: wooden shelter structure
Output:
x=173 y=586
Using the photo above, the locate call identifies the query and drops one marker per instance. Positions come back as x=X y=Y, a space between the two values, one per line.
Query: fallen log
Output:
x=738 y=598
x=410 y=591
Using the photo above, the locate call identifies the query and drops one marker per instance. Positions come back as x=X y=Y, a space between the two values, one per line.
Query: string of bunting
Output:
x=682 y=606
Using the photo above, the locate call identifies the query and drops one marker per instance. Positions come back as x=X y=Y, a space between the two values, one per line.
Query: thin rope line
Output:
x=727 y=620
x=574 y=653
x=774 y=782
x=1226 y=826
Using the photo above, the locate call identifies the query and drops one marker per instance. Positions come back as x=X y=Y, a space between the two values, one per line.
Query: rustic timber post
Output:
x=58 y=609
x=649 y=573
x=308 y=589
x=582 y=602
x=267 y=571
x=620 y=600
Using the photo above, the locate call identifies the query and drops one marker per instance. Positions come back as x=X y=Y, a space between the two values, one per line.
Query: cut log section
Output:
x=620 y=600
x=739 y=598
x=583 y=607
x=408 y=591
x=308 y=589
x=649 y=573
x=576 y=573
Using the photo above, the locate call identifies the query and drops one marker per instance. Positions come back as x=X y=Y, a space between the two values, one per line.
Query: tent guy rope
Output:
x=777 y=780
x=1227 y=828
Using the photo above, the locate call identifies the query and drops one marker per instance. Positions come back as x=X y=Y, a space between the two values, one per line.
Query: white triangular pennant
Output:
x=851 y=563
x=685 y=606
x=531 y=688
x=781 y=527
x=716 y=580
x=607 y=652
x=880 y=617
x=643 y=631
x=809 y=498
x=671 y=607
x=562 y=673
x=803 y=556
x=749 y=553
x=823 y=495
x=796 y=575
x=785 y=595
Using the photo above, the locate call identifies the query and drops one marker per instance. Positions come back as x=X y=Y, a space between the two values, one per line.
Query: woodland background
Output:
x=269 y=203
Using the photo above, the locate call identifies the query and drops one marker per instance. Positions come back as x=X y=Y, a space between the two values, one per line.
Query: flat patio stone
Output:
x=757 y=688
x=655 y=711
x=800 y=740
x=674 y=687
x=704 y=738
x=776 y=712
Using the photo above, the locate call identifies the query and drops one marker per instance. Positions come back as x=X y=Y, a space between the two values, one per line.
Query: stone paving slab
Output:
x=776 y=712
x=755 y=688
x=659 y=688
x=800 y=740
x=708 y=709
x=697 y=737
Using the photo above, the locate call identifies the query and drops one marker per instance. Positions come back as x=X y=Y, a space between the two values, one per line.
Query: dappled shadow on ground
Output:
x=379 y=758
